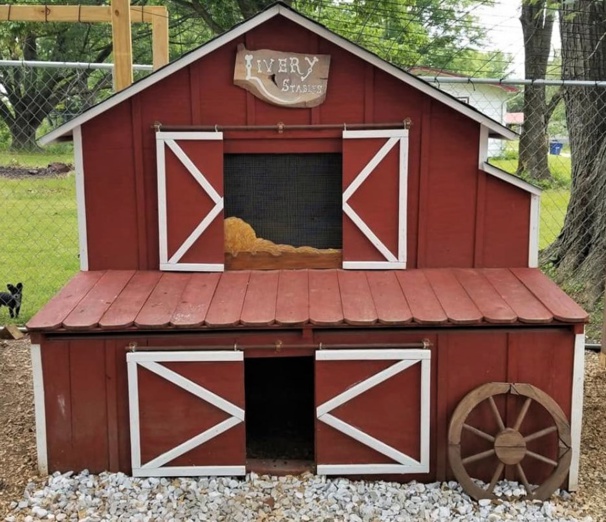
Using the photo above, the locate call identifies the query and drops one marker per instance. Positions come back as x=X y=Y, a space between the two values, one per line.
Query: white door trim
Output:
x=404 y=359
x=156 y=467
x=169 y=139
x=394 y=137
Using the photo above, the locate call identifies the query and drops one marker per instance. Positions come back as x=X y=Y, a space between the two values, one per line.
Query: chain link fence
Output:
x=38 y=230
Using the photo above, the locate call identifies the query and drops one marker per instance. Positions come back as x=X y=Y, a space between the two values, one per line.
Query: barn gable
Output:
x=399 y=148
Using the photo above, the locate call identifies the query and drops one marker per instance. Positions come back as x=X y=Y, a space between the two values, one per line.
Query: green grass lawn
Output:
x=38 y=235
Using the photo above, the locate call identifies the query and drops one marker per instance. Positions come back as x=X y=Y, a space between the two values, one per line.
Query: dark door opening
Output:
x=280 y=409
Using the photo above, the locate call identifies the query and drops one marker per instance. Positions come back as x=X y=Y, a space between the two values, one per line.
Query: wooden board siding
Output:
x=86 y=394
x=506 y=221
x=120 y=156
x=450 y=202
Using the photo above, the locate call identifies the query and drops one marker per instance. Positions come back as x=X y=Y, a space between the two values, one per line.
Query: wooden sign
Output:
x=284 y=79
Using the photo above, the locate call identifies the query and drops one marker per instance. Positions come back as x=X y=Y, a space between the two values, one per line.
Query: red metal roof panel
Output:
x=151 y=300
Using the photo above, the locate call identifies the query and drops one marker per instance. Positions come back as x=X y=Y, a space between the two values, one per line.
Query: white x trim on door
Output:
x=167 y=139
x=394 y=137
x=405 y=359
x=156 y=467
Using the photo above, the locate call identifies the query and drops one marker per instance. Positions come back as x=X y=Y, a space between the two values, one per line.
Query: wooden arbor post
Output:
x=120 y=15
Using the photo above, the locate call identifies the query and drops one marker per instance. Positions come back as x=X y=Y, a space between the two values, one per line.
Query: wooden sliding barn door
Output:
x=375 y=172
x=372 y=411
x=190 y=200
x=186 y=413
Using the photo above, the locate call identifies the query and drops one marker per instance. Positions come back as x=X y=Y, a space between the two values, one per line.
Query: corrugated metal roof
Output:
x=120 y=299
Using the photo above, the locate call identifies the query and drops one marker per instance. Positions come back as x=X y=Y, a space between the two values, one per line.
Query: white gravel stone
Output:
x=104 y=497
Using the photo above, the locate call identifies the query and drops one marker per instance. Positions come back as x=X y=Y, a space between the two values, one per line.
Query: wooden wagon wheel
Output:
x=509 y=445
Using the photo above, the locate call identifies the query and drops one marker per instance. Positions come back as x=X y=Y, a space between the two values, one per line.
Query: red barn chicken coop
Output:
x=295 y=255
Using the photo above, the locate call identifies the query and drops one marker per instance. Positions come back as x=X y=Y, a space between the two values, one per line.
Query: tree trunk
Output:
x=579 y=252
x=23 y=136
x=537 y=27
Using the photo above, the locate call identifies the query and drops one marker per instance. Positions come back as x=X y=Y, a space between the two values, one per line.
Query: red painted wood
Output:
x=139 y=173
x=88 y=406
x=389 y=412
x=325 y=305
x=124 y=310
x=478 y=357
x=356 y=298
x=492 y=306
x=91 y=308
x=113 y=429
x=506 y=225
x=375 y=201
x=559 y=304
x=553 y=349
x=170 y=415
x=292 y=303
x=518 y=297
x=451 y=202
x=195 y=301
x=59 y=307
x=188 y=202
x=226 y=306
x=260 y=302
x=455 y=301
x=478 y=255
x=389 y=301
x=57 y=404
x=158 y=310
x=421 y=298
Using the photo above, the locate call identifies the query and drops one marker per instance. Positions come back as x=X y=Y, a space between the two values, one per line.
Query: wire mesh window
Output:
x=292 y=199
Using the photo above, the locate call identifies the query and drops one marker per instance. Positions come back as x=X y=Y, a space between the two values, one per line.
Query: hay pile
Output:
x=241 y=237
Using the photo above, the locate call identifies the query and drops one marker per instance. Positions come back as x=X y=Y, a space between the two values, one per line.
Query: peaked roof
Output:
x=278 y=9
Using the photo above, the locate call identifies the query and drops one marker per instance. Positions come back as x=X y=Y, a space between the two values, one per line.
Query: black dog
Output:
x=12 y=300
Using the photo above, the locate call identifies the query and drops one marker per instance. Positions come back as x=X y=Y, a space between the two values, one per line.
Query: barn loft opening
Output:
x=279 y=408
x=288 y=199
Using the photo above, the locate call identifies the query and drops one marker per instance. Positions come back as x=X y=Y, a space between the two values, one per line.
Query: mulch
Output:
x=19 y=172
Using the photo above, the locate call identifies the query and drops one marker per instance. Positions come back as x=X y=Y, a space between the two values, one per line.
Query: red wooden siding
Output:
x=188 y=203
x=86 y=395
x=319 y=297
x=443 y=204
x=170 y=415
x=388 y=412
x=506 y=216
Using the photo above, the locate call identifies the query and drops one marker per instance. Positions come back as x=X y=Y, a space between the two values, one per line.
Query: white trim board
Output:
x=151 y=362
x=497 y=129
x=393 y=138
x=39 y=409
x=81 y=198
x=404 y=359
x=576 y=407
x=169 y=140
x=510 y=178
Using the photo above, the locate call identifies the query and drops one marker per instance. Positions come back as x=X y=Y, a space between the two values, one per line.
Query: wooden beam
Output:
x=157 y=16
x=159 y=24
x=77 y=13
x=122 y=42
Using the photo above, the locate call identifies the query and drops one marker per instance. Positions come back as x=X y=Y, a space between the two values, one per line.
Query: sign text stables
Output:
x=280 y=78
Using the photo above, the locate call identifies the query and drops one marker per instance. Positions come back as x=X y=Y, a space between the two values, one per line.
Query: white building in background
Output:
x=490 y=99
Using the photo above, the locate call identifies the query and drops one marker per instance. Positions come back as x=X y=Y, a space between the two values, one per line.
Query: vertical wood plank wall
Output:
x=444 y=199
x=86 y=392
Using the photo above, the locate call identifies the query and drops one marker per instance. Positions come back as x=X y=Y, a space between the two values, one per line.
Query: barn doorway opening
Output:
x=280 y=412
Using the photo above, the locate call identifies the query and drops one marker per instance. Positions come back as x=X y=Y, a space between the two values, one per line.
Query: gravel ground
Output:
x=27 y=497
